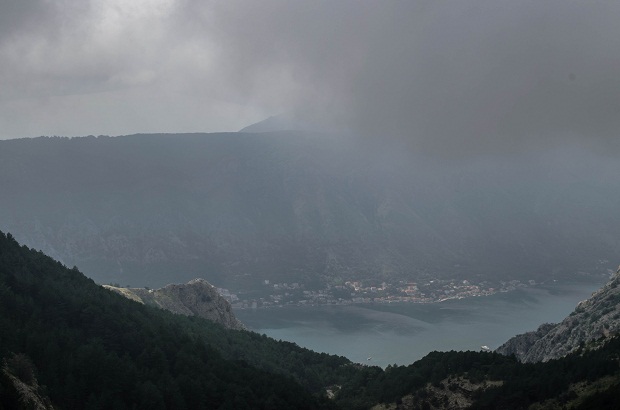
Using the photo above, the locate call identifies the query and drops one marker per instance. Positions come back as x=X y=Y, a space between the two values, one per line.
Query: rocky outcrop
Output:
x=519 y=345
x=17 y=374
x=593 y=319
x=196 y=298
x=451 y=393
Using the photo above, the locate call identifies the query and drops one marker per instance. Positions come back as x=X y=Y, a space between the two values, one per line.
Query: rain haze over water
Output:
x=401 y=333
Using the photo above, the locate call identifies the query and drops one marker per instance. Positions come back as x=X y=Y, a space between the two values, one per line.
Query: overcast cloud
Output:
x=452 y=76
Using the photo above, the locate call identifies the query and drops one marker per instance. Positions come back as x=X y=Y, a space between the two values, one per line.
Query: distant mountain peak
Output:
x=281 y=122
x=294 y=122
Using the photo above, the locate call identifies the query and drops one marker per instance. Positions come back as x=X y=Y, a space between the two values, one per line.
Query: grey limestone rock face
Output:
x=592 y=319
x=521 y=344
x=195 y=298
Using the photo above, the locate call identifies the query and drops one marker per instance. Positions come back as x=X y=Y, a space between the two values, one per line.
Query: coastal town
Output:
x=357 y=292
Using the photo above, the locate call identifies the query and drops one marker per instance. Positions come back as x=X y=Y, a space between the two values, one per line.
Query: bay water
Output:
x=401 y=333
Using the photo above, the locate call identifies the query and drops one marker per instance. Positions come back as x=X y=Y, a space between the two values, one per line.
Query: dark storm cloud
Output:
x=448 y=76
x=444 y=75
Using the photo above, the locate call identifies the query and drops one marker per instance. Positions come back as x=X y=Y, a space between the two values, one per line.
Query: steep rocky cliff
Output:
x=592 y=319
x=196 y=298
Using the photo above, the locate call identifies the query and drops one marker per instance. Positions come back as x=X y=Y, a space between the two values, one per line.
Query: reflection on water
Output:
x=401 y=333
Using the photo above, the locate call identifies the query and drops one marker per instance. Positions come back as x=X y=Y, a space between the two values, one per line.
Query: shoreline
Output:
x=426 y=301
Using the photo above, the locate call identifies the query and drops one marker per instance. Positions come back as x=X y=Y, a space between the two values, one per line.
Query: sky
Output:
x=446 y=76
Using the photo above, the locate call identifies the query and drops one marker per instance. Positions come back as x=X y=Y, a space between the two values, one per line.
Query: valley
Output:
x=339 y=205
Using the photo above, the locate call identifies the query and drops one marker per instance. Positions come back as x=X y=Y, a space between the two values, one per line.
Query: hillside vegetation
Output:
x=69 y=343
x=93 y=349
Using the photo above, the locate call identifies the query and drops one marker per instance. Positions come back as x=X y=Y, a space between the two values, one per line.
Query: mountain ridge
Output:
x=295 y=207
x=93 y=348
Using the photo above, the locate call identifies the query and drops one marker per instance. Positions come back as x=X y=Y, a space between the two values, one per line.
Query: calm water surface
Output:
x=400 y=333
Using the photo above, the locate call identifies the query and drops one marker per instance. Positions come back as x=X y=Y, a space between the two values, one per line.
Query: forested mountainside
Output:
x=69 y=343
x=593 y=319
x=195 y=298
x=241 y=208
x=91 y=349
